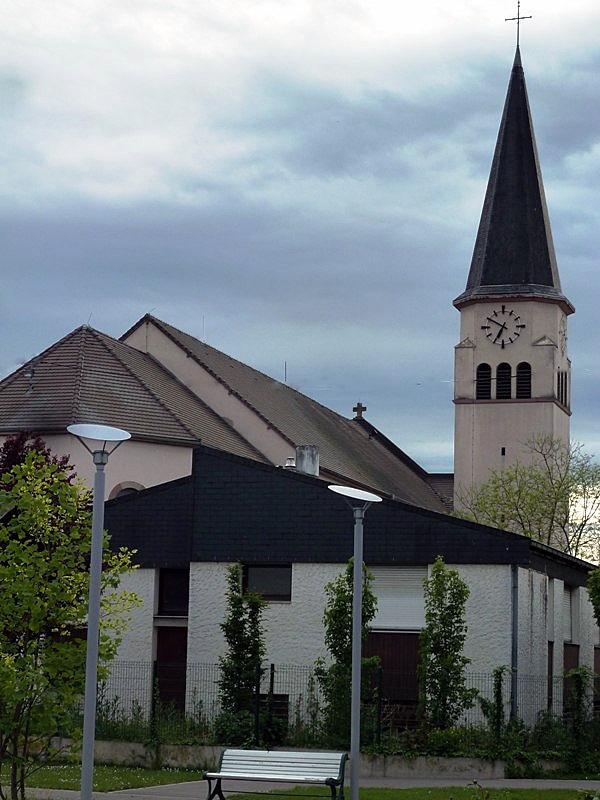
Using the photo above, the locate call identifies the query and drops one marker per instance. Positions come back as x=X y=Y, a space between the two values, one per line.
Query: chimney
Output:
x=307 y=459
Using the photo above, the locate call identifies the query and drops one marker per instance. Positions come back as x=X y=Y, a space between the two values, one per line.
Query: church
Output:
x=228 y=464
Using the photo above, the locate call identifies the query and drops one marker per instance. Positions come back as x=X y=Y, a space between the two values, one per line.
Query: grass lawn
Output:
x=107 y=778
x=451 y=793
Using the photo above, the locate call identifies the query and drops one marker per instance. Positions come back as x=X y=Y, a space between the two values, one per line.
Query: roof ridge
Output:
x=76 y=399
x=182 y=385
x=162 y=324
x=12 y=376
x=102 y=337
x=391 y=446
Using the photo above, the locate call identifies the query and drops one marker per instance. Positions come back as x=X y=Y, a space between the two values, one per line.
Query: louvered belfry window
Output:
x=503 y=382
x=483 y=382
x=523 y=380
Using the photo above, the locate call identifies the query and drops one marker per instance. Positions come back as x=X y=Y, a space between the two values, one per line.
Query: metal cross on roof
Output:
x=517 y=19
x=358 y=409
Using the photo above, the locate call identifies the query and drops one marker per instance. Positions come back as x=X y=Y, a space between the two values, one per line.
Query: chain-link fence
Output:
x=172 y=702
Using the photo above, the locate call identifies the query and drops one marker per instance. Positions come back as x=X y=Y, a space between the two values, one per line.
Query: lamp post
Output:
x=100 y=436
x=359 y=501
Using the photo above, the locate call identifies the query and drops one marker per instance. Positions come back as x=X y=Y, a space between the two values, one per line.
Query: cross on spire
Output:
x=517 y=19
x=358 y=409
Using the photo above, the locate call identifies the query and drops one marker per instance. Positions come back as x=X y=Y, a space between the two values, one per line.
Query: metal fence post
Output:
x=257 y=672
x=154 y=703
x=379 y=704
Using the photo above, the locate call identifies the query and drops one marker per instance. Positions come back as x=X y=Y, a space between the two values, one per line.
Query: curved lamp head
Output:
x=98 y=433
x=355 y=494
x=101 y=433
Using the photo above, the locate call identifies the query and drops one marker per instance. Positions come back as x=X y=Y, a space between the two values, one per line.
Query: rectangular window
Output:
x=173 y=592
x=273 y=582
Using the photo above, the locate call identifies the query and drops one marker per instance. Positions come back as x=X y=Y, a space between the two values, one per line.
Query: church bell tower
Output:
x=512 y=373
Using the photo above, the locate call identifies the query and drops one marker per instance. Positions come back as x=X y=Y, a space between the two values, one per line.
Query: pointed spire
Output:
x=514 y=253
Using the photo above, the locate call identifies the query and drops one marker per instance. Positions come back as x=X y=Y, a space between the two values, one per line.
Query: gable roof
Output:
x=514 y=253
x=348 y=450
x=90 y=377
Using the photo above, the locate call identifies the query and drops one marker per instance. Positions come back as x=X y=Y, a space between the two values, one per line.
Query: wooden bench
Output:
x=297 y=767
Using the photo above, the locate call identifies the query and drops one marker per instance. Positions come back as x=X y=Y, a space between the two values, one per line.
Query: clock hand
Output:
x=495 y=321
x=502 y=329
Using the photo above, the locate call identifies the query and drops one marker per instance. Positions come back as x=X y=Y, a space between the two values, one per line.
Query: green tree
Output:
x=45 y=539
x=594 y=592
x=243 y=632
x=443 y=693
x=552 y=497
x=335 y=679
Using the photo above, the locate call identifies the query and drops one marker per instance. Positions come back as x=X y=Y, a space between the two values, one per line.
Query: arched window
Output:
x=524 y=379
x=503 y=382
x=483 y=382
x=125 y=488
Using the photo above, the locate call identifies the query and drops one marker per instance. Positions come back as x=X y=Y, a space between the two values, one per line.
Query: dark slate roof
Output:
x=349 y=451
x=234 y=509
x=514 y=253
x=90 y=377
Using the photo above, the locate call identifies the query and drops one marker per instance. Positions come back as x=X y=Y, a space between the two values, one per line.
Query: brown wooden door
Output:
x=399 y=655
x=570 y=661
x=171 y=662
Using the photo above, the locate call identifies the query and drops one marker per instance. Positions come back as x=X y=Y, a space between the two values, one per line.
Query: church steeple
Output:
x=514 y=253
x=512 y=372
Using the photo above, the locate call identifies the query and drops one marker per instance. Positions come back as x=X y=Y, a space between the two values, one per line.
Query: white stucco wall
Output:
x=137 y=641
x=293 y=630
x=489 y=614
x=142 y=463
x=532 y=658
x=130 y=680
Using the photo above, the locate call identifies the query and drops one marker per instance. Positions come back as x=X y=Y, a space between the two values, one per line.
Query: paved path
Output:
x=197 y=790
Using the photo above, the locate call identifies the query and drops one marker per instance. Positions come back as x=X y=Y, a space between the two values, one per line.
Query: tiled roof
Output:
x=514 y=252
x=443 y=485
x=90 y=377
x=348 y=450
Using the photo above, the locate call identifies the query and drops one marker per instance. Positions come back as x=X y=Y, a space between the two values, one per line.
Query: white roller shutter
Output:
x=399 y=592
x=567 y=614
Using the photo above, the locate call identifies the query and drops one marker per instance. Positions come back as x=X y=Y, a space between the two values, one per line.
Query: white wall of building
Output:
x=532 y=657
x=489 y=614
x=142 y=463
x=294 y=631
x=137 y=644
x=129 y=683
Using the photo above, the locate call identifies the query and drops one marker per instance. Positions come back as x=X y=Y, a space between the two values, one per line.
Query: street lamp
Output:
x=100 y=436
x=359 y=501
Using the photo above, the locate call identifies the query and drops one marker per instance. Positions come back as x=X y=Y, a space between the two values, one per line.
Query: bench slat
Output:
x=280 y=765
x=268 y=777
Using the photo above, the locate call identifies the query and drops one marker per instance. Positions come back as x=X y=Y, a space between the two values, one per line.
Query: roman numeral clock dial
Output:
x=503 y=326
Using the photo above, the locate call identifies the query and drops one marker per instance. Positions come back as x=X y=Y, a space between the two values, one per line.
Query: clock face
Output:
x=502 y=326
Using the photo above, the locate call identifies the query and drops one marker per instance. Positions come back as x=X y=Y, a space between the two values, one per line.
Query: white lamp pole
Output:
x=359 y=501
x=100 y=436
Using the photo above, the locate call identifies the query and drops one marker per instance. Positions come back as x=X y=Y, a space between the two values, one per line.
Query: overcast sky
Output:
x=298 y=182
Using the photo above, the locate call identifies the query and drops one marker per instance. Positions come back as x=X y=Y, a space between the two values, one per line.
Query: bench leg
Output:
x=217 y=791
x=337 y=792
